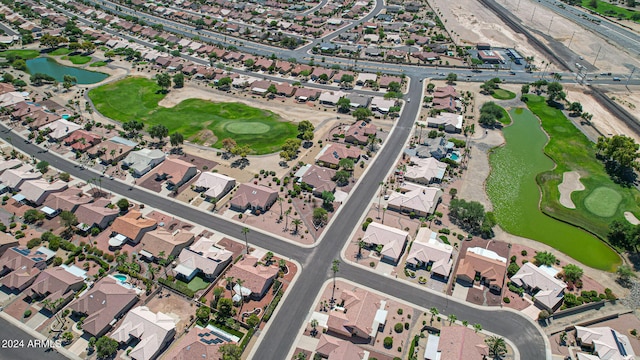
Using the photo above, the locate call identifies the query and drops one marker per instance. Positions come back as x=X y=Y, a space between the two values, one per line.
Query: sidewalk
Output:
x=606 y=311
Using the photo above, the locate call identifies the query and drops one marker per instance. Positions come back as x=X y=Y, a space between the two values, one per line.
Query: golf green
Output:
x=200 y=121
x=603 y=201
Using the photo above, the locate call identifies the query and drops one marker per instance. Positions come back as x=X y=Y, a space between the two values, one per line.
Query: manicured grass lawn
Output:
x=572 y=151
x=502 y=94
x=60 y=51
x=98 y=64
x=24 y=54
x=506 y=118
x=609 y=9
x=137 y=98
x=197 y=283
x=77 y=59
x=603 y=201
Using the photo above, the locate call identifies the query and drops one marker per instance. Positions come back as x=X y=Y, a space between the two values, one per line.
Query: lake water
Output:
x=50 y=67
x=515 y=194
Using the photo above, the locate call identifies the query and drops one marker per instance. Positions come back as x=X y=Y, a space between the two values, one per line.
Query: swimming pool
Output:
x=120 y=277
x=454 y=157
x=65 y=116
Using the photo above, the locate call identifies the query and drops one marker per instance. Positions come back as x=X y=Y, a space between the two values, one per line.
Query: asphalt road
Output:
x=14 y=345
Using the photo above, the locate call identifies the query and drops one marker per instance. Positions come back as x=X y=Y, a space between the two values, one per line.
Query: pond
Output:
x=49 y=66
x=515 y=195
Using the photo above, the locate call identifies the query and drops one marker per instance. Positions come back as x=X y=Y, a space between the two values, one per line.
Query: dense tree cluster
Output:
x=470 y=216
x=620 y=154
x=490 y=114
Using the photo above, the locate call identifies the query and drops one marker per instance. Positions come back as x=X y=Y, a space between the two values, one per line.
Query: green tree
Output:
x=327 y=198
x=178 y=80
x=225 y=308
x=394 y=86
x=625 y=273
x=164 y=81
x=230 y=351
x=64 y=176
x=176 y=139
x=32 y=216
x=346 y=164
x=497 y=346
x=434 y=312
x=452 y=318
x=224 y=83
x=245 y=231
x=296 y=223
x=554 y=92
x=132 y=127
x=342 y=177
x=68 y=219
x=544 y=258
x=362 y=113
x=575 y=108
x=451 y=78
x=203 y=314
x=42 y=166
x=620 y=152
x=572 y=272
x=335 y=268
x=229 y=144
x=253 y=320
x=344 y=104
x=123 y=204
x=320 y=216
x=524 y=89
x=106 y=347
x=158 y=131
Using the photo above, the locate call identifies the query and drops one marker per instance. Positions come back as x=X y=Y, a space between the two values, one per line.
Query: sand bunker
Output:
x=570 y=183
x=631 y=218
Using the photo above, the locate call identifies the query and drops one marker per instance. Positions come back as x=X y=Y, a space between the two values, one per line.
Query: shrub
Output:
x=523 y=252
x=27 y=313
x=398 y=328
x=506 y=300
x=388 y=342
x=372 y=264
x=406 y=326
x=400 y=311
x=444 y=231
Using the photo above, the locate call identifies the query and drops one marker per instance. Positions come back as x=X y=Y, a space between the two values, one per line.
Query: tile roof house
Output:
x=203 y=257
x=97 y=213
x=425 y=170
x=605 y=342
x=36 y=191
x=257 y=278
x=68 y=200
x=142 y=161
x=214 y=185
x=9 y=164
x=40 y=118
x=170 y=243
x=150 y=331
x=382 y=105
x=107 y=301
x=359 y=132
x=6 y=241
x=176 y=172
x=60 y=129
x=330 y=98
x=541 y=282
x=133 y=226
x=335 y=349
x=461 y=343
x=307 y=94
x=393 y=240
x=360 y=314
x=258 y=198
x=332 y=153
x=445 y=104
x=198 y=343
x=450 y=122
x=420 y=200
x=445 y=92
x=81 y=140
x=427 y=251
x=110 y=151
x=485 y=265
x=14 y=178
x=318 y=177
x=57 y=283
x=22 y=266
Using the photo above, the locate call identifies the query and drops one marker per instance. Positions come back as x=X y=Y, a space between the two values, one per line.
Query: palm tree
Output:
x=434 y=312
x=245 y=231
x=229 y=281
x=240 y=282
x=152 y=270
x=452 y=318
x=286 y=222
x=280 y=201
x=361 y=245
x=497 y=346
x=296 y=223
x=335 y=267
x=314 y=324
x=477 y=327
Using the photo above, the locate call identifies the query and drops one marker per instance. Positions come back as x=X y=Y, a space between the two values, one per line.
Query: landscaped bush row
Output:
x=269 y=311
x=177 y=287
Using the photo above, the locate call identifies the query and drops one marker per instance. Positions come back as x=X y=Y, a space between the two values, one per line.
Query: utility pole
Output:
x=630 y=76
x=594 y=60
x=534 y=12
x=570 y=41
x=550 y=22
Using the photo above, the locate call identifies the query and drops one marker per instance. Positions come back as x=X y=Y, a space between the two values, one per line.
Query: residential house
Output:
x=366 y=78
x=112 y=150
x=81 y=140
x=97 y=213
x=22 y=266
x=359 y=313
x=447 y=104
x=332 y=153
x=36 y=191
x=198 y=343
x=214 y=185
x=60 y=282
x=307 y=94
x=284 y=89
x=203 y=257
x=142 y=161
x=425 y=170
x=131 y=226
x=541 y=283
x=449 y=122
x=382 y=105
x=9 y=164
x=7 y=241
x=175 y=172
x=14 y=178
x=60 y=129
x=484 y=266
x=40 y=118
x=416 y=199
x=359 y=132
x=445 y=92
x=358 y=101
x=437 y=148
x=460 y=343
x=103 y=305
x=161 y=242
x=256 y=278
x=605 y=343
x=318 y=178
x=390 y=242
x=330 y=347
x=148 y=332
x=330 y=98
x=385 y=81
x=319 y=71
x=68 y=200
x=257 y=198
x=429 y=253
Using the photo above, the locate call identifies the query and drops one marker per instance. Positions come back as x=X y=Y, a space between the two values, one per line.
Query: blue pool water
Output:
x=120 y=277
x=454 y=157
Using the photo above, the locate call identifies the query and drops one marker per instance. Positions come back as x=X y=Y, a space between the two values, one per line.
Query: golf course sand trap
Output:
x=631 y=218
x=570 y=183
